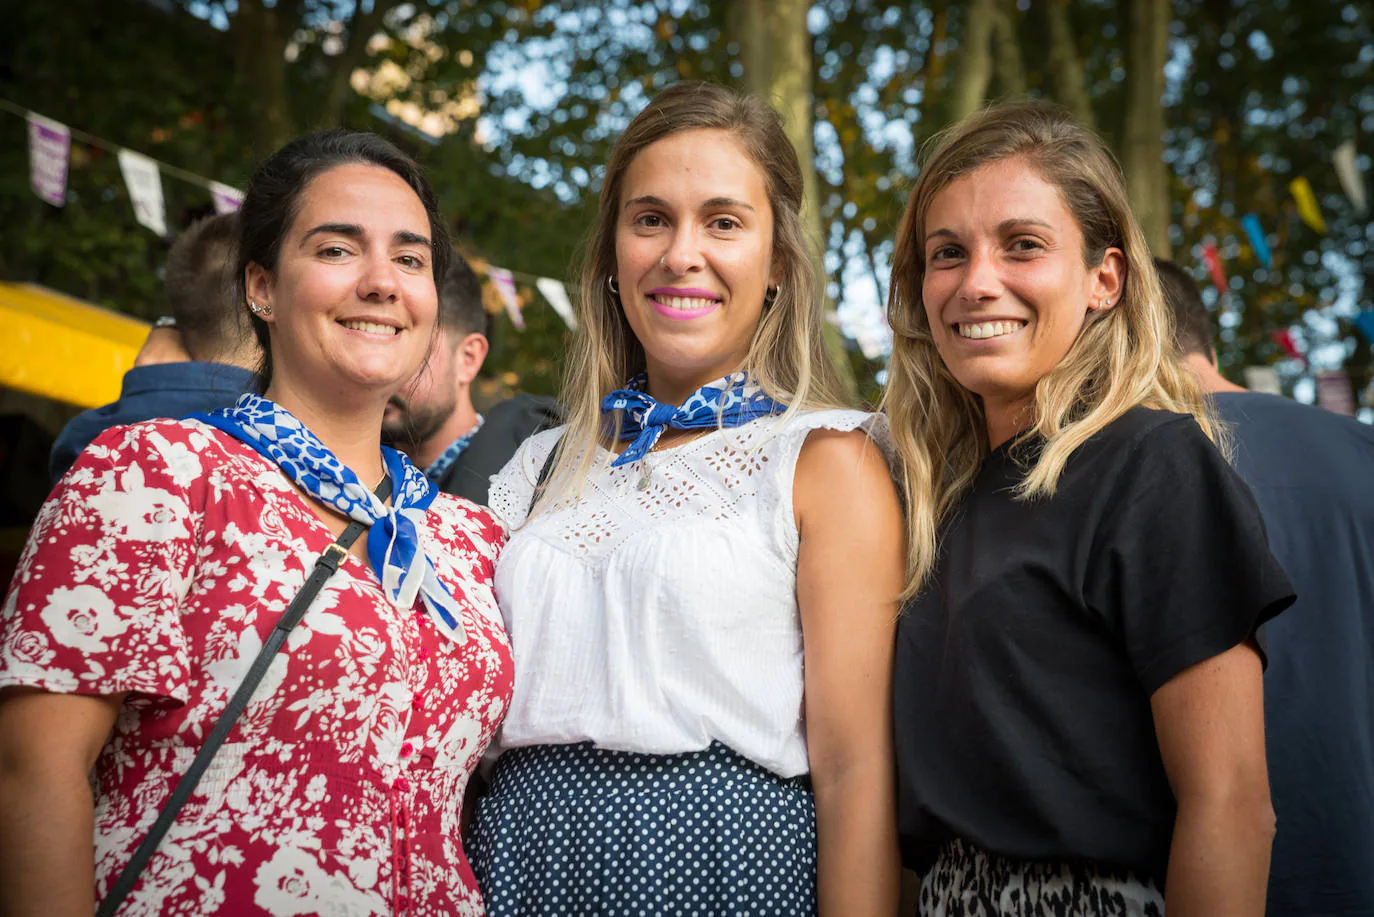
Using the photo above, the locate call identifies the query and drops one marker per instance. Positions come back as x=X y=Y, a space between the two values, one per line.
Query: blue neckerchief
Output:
x=443 y=463
x=394 y=545
x=727 y=402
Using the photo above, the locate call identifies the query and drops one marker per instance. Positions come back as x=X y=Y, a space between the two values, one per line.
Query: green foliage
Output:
x=1258 y=93
x=1271 y=90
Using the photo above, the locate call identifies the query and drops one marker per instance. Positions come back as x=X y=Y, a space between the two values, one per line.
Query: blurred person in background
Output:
x=164 y=558
x=702 y=598
x=1079 y=711
x=1312 y=473
x=201 y=357
x=433 y=419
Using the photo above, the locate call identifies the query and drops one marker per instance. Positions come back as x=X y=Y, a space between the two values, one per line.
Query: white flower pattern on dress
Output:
x=157 y=567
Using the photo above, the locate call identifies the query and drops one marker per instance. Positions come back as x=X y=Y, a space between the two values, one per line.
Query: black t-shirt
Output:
x=1024 y=669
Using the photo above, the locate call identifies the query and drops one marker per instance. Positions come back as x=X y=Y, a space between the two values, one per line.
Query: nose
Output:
x=377 y=282
x=684 y=252
x=981 y=280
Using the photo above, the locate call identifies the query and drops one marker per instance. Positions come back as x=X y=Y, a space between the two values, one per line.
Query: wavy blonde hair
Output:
x=1123 y=356
x=787 y=356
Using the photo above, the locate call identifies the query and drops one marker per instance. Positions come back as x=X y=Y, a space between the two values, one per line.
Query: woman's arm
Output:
x=1209 y=719
x=48 y=745
x=849 y=575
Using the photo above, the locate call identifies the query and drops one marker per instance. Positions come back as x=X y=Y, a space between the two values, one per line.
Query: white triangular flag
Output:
x=557 y=296
x=225 y=198
x=504 y=281
x=1352 y=182
x=50 y=142
x=145 y=190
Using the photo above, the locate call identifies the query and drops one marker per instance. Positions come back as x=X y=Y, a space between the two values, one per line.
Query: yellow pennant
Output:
x=1307 y=204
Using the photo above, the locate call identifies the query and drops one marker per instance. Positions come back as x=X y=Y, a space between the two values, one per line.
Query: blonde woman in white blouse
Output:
x=702 y=599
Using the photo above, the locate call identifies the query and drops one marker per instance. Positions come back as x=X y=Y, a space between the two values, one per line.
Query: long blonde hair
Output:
x=786 y=358
x=1122 y=358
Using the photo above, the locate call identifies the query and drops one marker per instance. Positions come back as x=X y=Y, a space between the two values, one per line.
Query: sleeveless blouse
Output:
x=656 y=612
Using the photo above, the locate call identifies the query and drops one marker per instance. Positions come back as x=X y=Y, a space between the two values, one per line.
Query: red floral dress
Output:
x=157 y=567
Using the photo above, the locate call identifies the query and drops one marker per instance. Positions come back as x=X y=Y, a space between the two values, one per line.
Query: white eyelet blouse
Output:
x=660 y=616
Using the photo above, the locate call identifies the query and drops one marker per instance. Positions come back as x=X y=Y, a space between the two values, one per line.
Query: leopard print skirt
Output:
x=969 y=882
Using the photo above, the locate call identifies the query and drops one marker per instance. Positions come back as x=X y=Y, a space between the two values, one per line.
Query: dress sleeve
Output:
x=777 y=491
x=93 y=606
x=1181 y=563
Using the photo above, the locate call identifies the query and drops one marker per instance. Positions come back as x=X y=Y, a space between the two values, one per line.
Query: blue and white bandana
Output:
x=728 y=402
x=444 y=462
x=395 y=546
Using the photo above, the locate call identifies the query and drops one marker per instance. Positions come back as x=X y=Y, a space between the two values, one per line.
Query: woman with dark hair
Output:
x=702 y=598
x=1077 y=686
x=161 y=563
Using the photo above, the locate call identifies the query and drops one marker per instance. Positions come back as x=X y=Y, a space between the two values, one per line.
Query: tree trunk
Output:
x=1142 y=136
x=1065 y=69
x=363 y=26
x=974 y=73
x=260 y=49
x=1009 y=68
x=775 y=49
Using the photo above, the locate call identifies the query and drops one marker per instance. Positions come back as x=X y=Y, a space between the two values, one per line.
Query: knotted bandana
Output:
x=395 y=547
x=728 y=402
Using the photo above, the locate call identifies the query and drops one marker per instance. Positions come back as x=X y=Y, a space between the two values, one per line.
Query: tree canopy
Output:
x=1212 y=107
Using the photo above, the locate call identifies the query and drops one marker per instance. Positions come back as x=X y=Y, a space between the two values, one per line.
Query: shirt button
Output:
x=401 y=784
x=417 y=704
x=402 y=902
x=406 y=749
x=422 y=654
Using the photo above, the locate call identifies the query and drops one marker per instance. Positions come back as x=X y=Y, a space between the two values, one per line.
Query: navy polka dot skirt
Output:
x=578 y=830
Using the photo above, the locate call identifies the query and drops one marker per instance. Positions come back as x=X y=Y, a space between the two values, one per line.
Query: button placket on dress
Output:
x=402 y=892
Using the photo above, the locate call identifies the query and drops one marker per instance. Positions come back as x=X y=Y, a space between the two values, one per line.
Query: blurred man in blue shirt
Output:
x=201 y=358
x=1312 y=473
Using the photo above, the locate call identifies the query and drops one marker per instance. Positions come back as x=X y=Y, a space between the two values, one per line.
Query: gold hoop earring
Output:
x=770 y=295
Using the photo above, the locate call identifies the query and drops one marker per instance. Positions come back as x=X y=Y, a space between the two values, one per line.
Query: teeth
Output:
x=370 y=327
x=684 y=302
x=980 y=330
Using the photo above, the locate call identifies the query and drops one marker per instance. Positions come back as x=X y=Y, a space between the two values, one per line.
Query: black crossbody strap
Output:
x=325 y=566
x=544 y=474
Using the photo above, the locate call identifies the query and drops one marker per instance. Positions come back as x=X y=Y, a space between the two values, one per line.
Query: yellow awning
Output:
x=65 y=349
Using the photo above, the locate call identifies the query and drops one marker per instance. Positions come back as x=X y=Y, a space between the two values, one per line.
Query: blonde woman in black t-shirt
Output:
x=1078 y=686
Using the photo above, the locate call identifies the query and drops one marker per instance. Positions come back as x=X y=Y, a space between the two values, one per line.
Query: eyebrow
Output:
x=354 y=231
x=1002 y=227
x=713 y=203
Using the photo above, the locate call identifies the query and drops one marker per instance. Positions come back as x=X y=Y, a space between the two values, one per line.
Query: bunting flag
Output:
x=1352 y=182
x=225 y=198
x=50 y=144
x=145 y=190
x=1311 y=214
x=557 y=295
x=504 y=282
x=1335 y=393
x=1286 y=343
x=1259 y=242
x=1364 y=322
x=1212 y=258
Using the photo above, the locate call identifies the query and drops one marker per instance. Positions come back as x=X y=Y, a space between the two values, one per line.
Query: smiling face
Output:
x=352 y=298
x=1005 y=290
x=693 y=248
